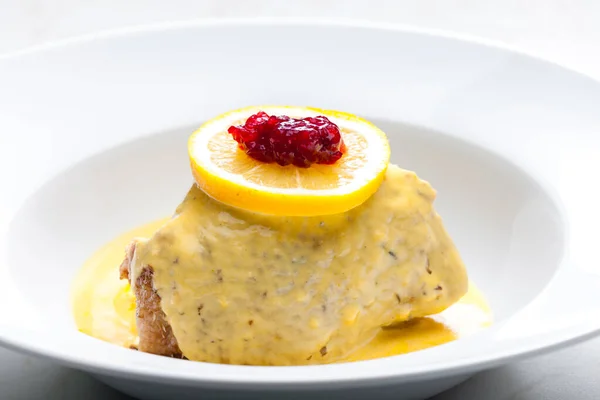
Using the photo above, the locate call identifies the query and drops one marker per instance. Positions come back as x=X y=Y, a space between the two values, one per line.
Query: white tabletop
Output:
x=564 y=31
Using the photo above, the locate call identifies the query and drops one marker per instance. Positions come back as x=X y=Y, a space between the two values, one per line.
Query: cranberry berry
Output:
x=284 y=140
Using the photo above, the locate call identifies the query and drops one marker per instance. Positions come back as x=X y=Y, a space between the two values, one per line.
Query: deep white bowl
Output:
x=93 y=142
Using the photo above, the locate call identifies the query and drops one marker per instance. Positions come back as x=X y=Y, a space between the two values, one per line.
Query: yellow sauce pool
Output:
x=104 y=308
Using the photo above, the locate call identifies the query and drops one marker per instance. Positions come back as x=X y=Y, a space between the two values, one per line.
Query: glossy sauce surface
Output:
x=104 y=308
x=238 y=287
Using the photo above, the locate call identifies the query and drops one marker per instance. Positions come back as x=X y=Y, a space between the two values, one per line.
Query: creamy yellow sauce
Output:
x=104 y=308
x=307 y=269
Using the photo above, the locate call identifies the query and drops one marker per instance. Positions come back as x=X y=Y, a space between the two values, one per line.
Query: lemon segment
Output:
x=229 y=175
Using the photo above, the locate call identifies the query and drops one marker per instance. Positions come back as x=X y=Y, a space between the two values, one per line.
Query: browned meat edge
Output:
x=156 y=335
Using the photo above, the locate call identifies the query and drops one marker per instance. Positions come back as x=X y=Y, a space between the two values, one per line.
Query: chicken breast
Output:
x=222 y=285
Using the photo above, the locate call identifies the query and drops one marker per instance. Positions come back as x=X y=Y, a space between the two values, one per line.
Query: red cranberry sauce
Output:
x=284 y=140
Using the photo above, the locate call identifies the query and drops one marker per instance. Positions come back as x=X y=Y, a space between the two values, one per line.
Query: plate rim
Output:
x=283 y=21
x=16 y=341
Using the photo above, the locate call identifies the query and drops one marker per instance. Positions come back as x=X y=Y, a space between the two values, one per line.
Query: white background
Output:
x=563 y=31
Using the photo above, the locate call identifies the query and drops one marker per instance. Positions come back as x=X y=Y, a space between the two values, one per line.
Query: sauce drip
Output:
x=104 y=308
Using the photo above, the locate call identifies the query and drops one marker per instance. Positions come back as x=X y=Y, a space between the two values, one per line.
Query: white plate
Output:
x=93 y=143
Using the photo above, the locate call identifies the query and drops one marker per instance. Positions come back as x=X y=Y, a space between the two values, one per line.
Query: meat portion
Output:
x=155 y=333
x=220 y=284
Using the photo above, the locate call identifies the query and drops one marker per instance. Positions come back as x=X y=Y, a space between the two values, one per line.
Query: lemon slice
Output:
x=229 y=175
